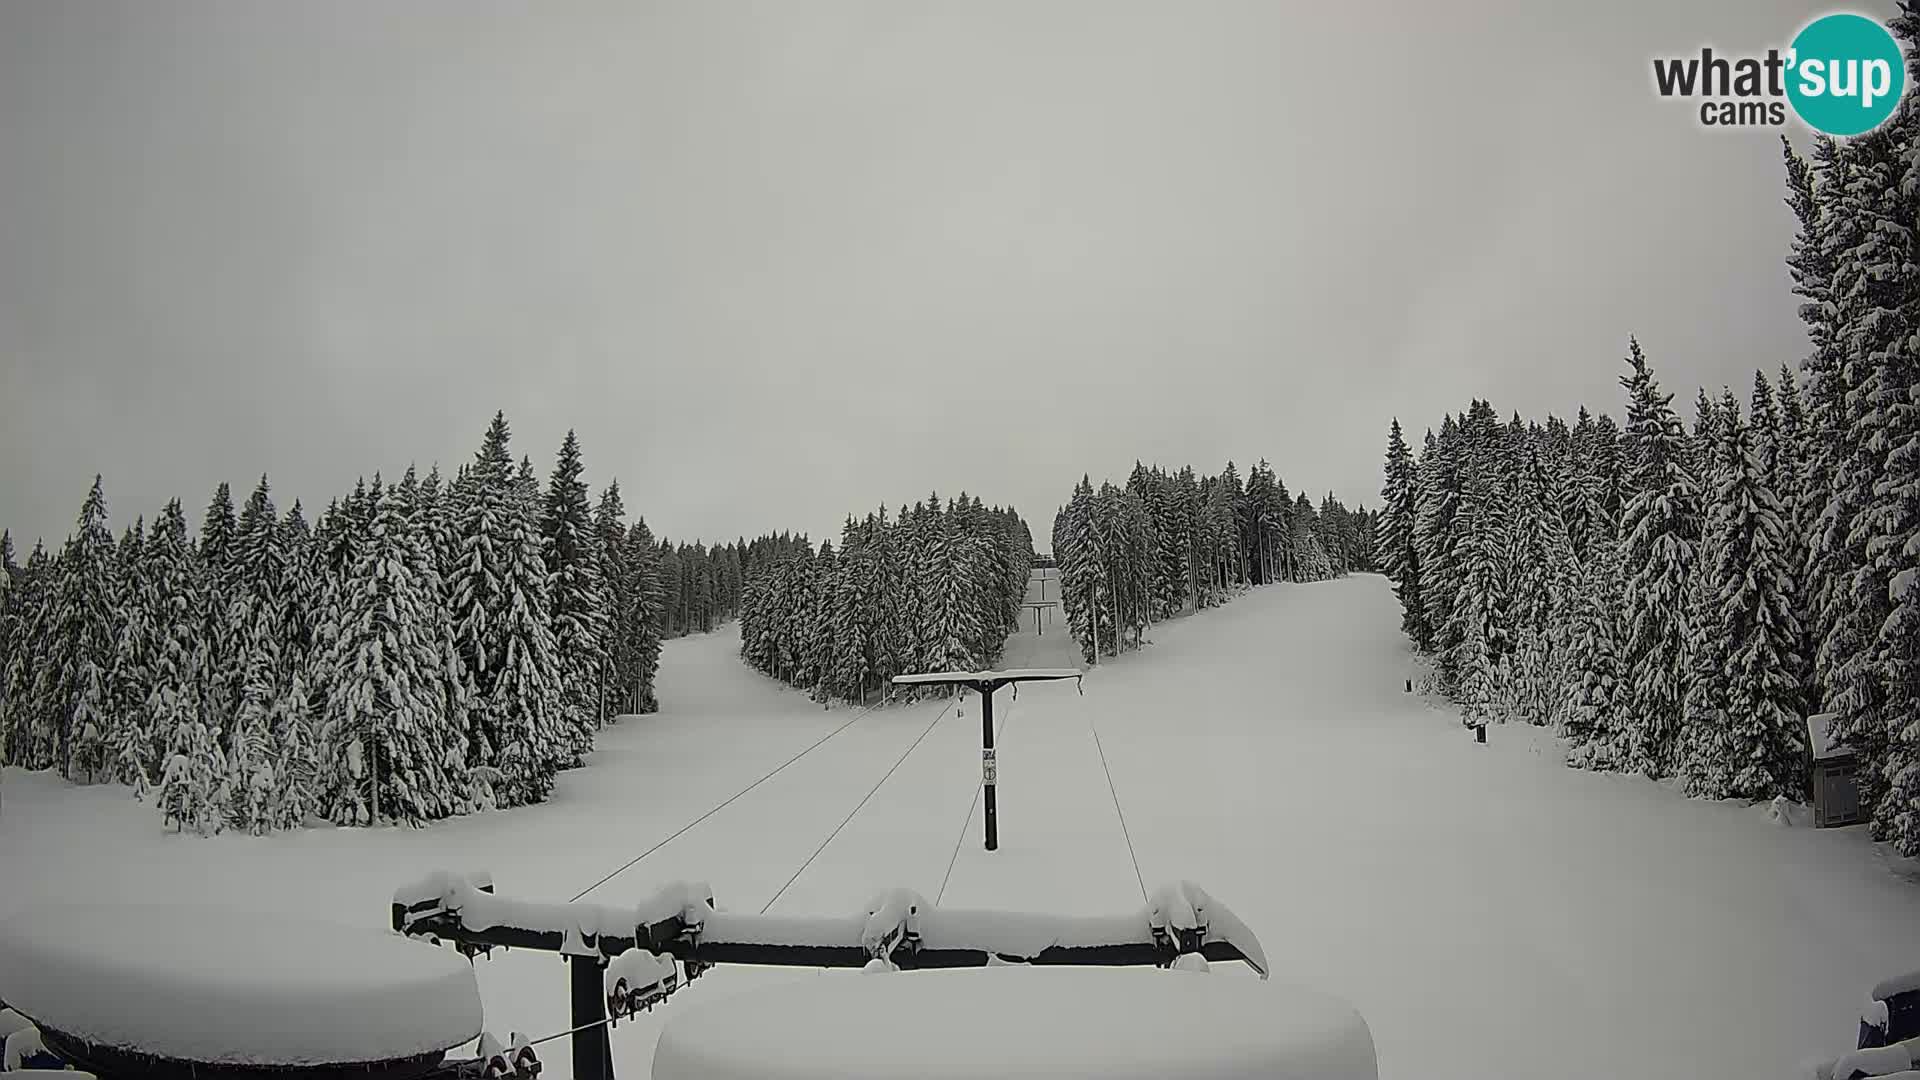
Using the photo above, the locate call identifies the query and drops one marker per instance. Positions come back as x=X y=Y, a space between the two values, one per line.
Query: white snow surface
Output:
x=1467 y=900
x=1878 y=1060
x=1894 y=985
x=20 y=1044
x=224 y=986
x=1013 y=1023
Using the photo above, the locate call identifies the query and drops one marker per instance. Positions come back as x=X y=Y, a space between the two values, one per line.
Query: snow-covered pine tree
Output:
x=296 y=766
x=171 y=601
x=500 y=612
x=821 y=663
x=130 y=743
x=1761 y=745
x=477 y=588
x=1764 y=429
x=1580 y=491
x=852 y=660
x=1698 y=757
x=385 y=726
x=336 y=548
x=1596 y=724
x=1171 y=528
x=1288 y=557
x=1704 y=446
x=220 y=681
x=1540 y=558
x=616 y=577
x=1233 y=493
x=1790 y=460
x=1438 y=505
x=795 y=620
x=570 y=548
x=1660 y=530
x=1483 y=595
x=83 y=625
x=1871 y=243
x=1316 y=556
x=193 y=788
x=256 y=629
x=30 y=695
x=10 y=592
x=1397 y=554
x=1609 y=465
x=1081 y=573
x=642 y=623
x=1897 y=506
x=1812 y=194
x=1480 y=703
x=1257 y=519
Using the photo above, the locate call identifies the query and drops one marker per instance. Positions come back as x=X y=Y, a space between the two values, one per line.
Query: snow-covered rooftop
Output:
x=206 y=985
x=1820 y=736
x=1011 y=1022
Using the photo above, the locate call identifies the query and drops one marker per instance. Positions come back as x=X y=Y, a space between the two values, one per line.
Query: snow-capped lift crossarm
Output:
x=898 y=929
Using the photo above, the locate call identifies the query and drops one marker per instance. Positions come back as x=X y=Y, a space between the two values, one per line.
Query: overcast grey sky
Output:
x=777 y=262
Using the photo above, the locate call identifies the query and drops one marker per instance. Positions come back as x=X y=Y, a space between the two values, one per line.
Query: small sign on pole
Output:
x=987 y=766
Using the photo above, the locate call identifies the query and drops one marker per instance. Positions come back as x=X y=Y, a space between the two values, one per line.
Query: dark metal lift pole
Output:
x=987 y=763
x=592 y=1048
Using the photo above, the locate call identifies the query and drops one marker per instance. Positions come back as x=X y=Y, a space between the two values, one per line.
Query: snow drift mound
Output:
x=1011 y=1022
x=234 y=987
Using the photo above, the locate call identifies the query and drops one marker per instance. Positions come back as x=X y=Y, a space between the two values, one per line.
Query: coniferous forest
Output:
x=1170 y=542
x=424 y=648
x=1677 y=598
x=937 y=588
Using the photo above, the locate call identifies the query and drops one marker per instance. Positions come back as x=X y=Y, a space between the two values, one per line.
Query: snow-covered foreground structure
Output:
x=1487 y=911
x=234 y=987
x=997 y=1022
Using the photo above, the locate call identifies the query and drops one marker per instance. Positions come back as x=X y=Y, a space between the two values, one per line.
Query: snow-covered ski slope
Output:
x=1490 y=912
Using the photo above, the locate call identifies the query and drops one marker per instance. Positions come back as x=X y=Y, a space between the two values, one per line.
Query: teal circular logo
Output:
x=1846 y=74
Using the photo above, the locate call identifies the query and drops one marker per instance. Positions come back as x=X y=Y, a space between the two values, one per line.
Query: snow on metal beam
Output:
x=997 y=677
x=680 y=921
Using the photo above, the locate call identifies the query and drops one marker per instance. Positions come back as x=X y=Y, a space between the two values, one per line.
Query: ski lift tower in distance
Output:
x=985 y=683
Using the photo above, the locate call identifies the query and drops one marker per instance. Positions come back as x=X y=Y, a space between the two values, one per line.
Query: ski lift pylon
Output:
x=985 y=683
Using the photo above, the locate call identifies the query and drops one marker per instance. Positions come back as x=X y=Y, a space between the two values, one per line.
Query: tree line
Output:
x=1173 y=542
x=424 y=649
x=937 y=588
x=1678 y=601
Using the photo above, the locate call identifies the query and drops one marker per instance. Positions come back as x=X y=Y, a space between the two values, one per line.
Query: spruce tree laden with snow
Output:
x=32 y=738
x=1761 y=745
x=578 y=603
x=256 y=630
x=83 y=628
x=500 y=611
x=221 y=686
x=395 y=755
x=642 y=622
x=1660 y=531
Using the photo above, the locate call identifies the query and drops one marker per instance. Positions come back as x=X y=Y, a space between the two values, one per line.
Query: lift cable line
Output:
x=684 y=829
x=1119 y=813
x=857 y=808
